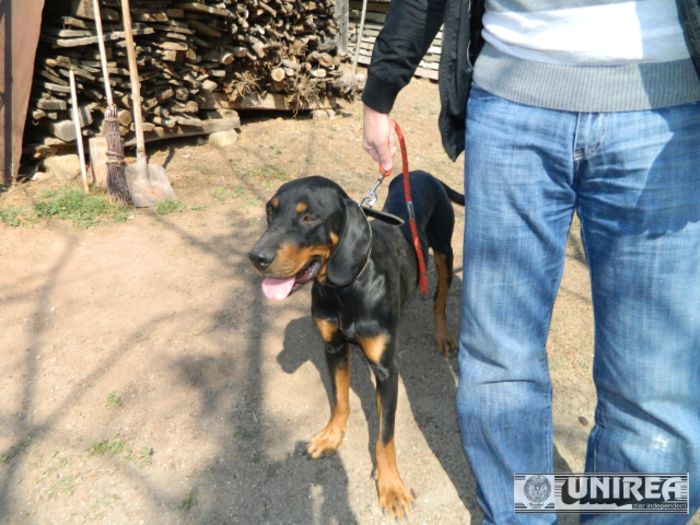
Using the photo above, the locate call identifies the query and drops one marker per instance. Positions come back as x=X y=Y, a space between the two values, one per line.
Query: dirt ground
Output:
x=145 y=379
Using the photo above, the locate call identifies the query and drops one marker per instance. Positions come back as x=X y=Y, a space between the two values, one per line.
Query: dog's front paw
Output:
x=325 y=442
x=446 y=345
x=395 y=498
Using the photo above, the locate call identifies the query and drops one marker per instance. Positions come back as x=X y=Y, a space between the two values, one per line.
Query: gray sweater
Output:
x=526 y=62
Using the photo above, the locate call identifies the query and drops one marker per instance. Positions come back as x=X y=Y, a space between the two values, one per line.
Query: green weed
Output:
x=11 y=217
x=114 y=400
x=63 y=485
x=190 y=501
x=84 y=210
x=119 y=447
x=268 y=172
x=115 y=446
x=167 y=207
x=145 y=457
x=219 y=193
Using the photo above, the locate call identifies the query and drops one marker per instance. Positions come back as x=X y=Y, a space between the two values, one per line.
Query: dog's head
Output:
x=314 y=231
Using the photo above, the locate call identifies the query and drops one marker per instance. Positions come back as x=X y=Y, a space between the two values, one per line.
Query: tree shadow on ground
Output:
x=244 y=483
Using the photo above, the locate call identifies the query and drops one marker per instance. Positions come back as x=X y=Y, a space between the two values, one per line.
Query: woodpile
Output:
x=198 y=62
x=374 y=21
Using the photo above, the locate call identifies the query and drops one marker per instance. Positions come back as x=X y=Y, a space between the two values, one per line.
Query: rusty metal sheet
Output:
x=20 y=24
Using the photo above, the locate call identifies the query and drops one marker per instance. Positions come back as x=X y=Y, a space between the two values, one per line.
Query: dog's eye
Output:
x=308 y=218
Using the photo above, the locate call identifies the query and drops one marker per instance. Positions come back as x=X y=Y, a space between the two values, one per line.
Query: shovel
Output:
x=148 y=183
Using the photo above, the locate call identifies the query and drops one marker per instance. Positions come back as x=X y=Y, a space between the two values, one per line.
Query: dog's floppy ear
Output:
x=352 y=250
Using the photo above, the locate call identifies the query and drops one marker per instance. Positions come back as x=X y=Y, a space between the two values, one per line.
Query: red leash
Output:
x=422 y=273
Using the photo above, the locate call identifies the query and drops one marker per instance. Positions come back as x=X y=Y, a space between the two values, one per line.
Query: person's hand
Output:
x=378 y=137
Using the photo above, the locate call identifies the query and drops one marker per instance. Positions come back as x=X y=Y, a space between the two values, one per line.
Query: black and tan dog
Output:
x=363 y=272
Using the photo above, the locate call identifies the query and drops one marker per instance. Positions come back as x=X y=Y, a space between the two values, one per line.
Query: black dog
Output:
x=363 y=273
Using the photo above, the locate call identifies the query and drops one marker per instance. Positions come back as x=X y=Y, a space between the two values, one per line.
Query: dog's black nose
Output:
x=261 y=259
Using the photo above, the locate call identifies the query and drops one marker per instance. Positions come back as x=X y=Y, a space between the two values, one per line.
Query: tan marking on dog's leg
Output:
x=443 y=340
x=329 y=439
x=395 y=497
x=373 y=347
x=327 y=329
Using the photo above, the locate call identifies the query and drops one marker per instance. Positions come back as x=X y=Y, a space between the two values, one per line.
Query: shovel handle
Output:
x=103 y=53
x=134 y=76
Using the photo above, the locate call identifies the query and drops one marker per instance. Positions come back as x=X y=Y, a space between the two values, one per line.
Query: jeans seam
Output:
x=595 y=433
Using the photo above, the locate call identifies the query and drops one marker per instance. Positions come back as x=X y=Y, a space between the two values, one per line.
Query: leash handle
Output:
x=371 y=198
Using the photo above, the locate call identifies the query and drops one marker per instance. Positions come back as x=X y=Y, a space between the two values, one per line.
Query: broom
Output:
x=116 y=179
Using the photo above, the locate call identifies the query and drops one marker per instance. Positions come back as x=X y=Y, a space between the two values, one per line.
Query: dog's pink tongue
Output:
x=277 y=289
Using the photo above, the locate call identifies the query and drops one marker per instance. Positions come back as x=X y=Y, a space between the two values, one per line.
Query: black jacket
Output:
x=409 y=30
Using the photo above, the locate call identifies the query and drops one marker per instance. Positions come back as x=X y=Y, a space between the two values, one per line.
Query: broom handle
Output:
x=134 y=76
x=103 y=53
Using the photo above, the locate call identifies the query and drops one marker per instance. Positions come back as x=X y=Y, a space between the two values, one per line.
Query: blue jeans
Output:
x=634 y=180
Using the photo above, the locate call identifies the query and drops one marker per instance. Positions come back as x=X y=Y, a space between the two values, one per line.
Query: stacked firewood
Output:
x=194 y=58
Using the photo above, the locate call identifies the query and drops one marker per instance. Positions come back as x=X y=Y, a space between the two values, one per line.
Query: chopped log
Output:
x=278 y=102
x=194 y=56
x=277 y=74
x=165 y=122
x=164 y=95
x=225 y=58
x=51 y=104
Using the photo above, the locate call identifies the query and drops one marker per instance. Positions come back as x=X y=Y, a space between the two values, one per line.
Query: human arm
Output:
x=410 y=27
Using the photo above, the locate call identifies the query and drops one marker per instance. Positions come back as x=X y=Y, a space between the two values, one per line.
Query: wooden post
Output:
x=342 y=15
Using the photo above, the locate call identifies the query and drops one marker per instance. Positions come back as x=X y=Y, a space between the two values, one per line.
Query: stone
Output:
x=322 y=114
x=40 y=176
x=223 y=139
x=63 y=167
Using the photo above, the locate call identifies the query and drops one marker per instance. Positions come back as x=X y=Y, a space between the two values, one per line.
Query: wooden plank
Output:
x=51 y=104
x=83 y=9
x=84 y=41
x=208 y=127
x=201 y=8
x=204 y=29
x=66 y=33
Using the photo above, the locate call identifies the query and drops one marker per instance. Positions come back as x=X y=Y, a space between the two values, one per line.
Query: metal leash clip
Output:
x=371 y=198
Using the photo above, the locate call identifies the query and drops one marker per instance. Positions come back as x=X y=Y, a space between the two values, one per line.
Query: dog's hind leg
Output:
x=443 y=265
x=329 y=439
x=394 y=496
